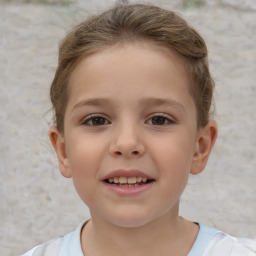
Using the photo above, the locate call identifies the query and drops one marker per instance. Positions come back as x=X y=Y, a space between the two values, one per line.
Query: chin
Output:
x=130 y=224
x=130 y=220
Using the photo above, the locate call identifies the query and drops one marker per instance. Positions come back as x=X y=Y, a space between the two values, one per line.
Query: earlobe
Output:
x=58 y=142
x=203 y=147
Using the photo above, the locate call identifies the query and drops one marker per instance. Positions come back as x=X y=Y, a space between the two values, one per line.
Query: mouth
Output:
x=133 y=181
x=128 y=182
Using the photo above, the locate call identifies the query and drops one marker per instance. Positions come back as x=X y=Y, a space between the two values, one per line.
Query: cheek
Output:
x=175 y=170
x=84 y=153
x=173 y=157
x=84 y=157
x=173 y=152
x=173 y=177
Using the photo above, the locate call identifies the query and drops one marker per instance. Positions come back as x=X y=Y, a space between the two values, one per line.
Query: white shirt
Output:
x=209 y=242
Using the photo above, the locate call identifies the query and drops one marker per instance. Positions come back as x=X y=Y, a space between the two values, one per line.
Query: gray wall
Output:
x=37 y=203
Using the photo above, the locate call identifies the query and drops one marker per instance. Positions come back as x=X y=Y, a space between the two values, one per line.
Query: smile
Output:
x=128 y=181
x=125 y=182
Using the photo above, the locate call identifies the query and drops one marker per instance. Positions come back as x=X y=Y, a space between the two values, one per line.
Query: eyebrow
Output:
x=142 y=102
x=91 y=102
x=162 y=102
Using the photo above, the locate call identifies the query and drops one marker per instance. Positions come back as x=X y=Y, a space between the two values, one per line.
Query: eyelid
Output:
x=170 y=118
x=95 y=115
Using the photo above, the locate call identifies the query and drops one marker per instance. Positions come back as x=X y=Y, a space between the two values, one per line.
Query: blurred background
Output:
x=37 y=203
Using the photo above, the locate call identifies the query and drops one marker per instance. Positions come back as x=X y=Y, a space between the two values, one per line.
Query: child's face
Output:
x=129 y=115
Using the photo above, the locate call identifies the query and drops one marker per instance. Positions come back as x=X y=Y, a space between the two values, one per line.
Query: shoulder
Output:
x=67 y=245
x=223 y=244
x=51 y=247
x=213 y=242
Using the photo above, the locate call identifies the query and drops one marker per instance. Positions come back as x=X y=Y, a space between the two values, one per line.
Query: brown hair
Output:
x=128 y=23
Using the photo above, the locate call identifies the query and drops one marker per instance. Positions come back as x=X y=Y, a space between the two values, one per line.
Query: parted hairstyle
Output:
x=128 y=23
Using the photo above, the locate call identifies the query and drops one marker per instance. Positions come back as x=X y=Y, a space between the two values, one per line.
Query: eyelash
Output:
x=167 y=120
x=89 y=121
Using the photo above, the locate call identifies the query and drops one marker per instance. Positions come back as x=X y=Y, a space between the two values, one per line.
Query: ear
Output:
x=58 y=142
x=203 y=146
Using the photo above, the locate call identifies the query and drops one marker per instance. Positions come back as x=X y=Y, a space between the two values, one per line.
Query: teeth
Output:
x=132 y=180
x=127 y=181
x=144 y=179
x=139 y=179
x=123 y=180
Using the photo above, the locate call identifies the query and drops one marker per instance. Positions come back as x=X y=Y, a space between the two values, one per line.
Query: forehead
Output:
x=137 y=69
x=135 y=57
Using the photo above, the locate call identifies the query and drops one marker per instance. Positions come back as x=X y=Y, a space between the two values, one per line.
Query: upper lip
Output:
x=126 y=173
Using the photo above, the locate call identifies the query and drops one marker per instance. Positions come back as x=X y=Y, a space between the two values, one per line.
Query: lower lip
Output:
x=128 y=191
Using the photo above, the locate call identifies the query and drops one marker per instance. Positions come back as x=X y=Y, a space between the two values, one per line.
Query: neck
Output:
x=159 y=237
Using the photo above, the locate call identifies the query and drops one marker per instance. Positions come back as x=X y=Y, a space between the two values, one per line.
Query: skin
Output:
x=129 y=108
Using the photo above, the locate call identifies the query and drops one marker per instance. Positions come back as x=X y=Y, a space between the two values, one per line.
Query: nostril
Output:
x=135 y=153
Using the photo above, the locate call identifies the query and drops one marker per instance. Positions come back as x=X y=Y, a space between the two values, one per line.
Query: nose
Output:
x=127 y=142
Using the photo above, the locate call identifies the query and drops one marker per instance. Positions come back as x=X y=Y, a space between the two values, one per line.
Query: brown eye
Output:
x=96 y=121
x=159 y=120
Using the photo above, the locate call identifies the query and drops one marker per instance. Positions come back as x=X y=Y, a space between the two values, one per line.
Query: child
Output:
x=132 y=98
